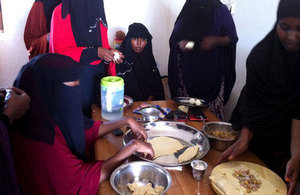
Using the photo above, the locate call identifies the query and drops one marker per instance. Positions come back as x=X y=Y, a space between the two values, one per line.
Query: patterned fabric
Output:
x=216 y=106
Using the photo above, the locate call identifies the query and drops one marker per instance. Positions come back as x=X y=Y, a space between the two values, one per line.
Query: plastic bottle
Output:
x=112 y=97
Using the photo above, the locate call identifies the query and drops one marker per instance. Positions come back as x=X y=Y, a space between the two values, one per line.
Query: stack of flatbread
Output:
x=164 y=146
x=227 y=184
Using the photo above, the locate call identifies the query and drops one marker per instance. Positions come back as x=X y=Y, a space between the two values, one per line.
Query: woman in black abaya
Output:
x=268 y=110
x=139 y=70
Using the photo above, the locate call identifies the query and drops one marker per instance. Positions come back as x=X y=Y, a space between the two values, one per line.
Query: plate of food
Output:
x=174 y=143
x=127 y=101
x=191 y=102
x=239 y=177
x=221 y=135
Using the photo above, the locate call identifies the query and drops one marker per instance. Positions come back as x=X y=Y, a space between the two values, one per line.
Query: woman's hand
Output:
x=292 y=167
x=118 y=56
x=109 y=54
x=291 y=174
x=142 y=147
x=138 y=129
x=17 y=104
x=238 y=147
x=182 y=46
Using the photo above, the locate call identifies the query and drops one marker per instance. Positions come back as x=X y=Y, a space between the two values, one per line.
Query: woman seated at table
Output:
x=268 y=110
x=139 y=69
x=53 y=144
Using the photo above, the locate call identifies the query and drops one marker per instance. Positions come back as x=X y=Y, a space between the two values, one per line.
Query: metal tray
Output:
x=187 y=135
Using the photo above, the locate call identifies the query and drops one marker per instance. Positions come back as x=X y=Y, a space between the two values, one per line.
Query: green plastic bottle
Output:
x=112 y=97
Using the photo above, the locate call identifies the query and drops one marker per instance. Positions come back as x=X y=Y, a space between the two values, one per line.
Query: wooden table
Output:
x=182 y=181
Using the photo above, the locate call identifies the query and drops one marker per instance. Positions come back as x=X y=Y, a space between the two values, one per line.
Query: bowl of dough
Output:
x=140 y=177
x=220 y=135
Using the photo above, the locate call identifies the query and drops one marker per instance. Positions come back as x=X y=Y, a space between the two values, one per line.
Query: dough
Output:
x=188 y=154
x=145 y=190
x=190 y=45
x=116 y=56
x=192 y=100
x=183 y=108
x=164 y=146
x=198 y=102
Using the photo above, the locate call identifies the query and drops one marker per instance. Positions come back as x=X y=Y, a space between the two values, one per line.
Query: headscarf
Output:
x=49 y=6
x=270 y=98
x=136 y=30
x=52 y=102
x=140 y=69
x=86 y=16
x=203 y=72
x=197 y=18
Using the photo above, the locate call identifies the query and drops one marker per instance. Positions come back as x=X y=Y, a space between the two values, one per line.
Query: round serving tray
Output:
x=264 y=172
x=187 y=135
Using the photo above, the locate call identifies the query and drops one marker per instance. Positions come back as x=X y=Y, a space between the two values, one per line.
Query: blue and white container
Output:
x=112 y=97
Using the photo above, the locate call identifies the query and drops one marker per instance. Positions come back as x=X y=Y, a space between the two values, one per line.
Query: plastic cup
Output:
x=199 y=167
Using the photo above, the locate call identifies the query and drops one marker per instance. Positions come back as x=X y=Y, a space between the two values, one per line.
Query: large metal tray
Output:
x=187 y=135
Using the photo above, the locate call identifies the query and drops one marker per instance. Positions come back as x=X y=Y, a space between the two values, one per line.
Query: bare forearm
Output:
x=295 y=137
x=109 y=126
x=110 y=164
x=222 y=41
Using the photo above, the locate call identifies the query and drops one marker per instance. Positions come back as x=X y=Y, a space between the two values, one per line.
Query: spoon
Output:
x=205 y=124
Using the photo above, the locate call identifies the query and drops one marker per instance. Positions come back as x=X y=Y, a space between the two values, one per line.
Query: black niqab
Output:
x=52 y=102
x=197 y=18
x=49 y=6
x=86 y=16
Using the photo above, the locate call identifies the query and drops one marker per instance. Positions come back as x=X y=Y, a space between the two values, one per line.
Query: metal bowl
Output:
x=150 y=114
x=218 y=143
x=139 y=172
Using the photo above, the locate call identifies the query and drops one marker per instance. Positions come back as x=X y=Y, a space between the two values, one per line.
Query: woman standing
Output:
x=268 y=110
x=79 y=30
x=202 y=53
x=37 y=28
x=139 y=70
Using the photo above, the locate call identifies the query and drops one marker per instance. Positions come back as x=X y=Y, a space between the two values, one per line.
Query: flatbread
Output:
x=188 y=154
x=164 y=146
x=229 y=185
x=145 y=190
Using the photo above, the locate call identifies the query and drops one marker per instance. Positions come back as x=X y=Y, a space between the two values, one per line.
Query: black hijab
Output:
x=197 y=18
x=139 y=70
x=270 y=98
x=49 y=6
x=136 y=30
x=86 y=16
x=52 y=102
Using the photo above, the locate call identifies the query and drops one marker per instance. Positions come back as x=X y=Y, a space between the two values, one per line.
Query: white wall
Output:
x=13 y=53
x=158 y=16
x=253 y=20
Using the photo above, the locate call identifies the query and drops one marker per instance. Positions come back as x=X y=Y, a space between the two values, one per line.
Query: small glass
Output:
x=199 y=167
